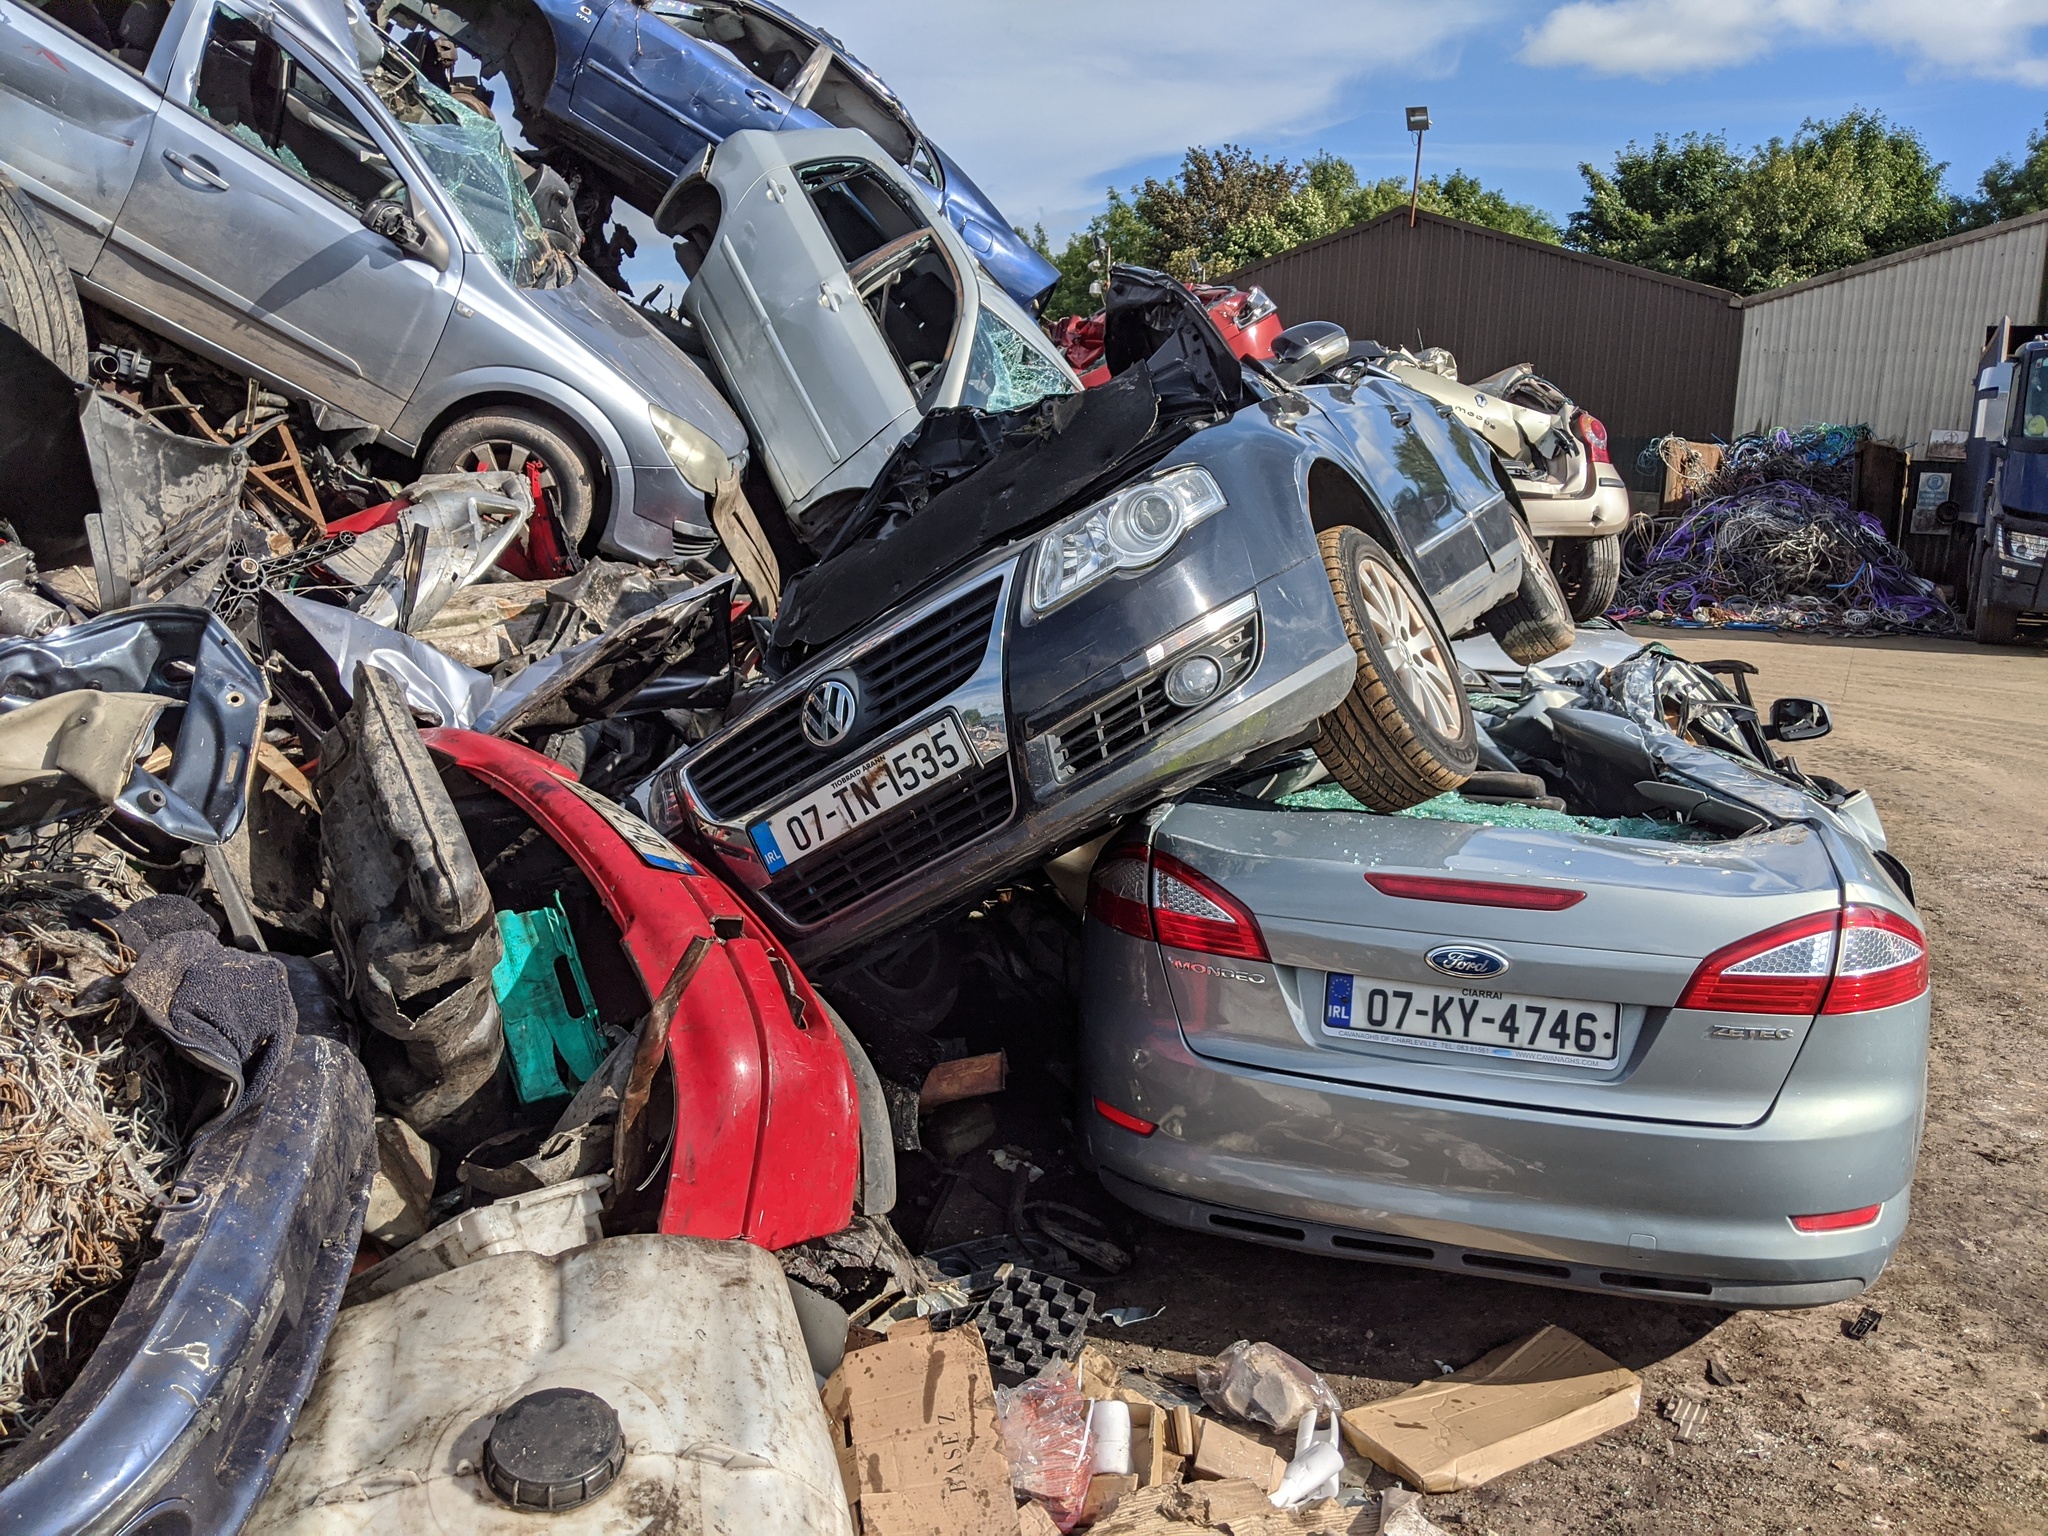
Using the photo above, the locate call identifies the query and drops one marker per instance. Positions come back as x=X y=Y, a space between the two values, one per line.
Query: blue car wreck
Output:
x=623 y=98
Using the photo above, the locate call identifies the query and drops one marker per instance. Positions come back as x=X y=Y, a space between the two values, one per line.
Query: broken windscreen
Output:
x=466 y=153
x=1006 y=371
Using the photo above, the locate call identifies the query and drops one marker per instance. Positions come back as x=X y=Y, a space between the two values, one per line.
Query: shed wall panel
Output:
x=1645 y=353
x=1894 y=346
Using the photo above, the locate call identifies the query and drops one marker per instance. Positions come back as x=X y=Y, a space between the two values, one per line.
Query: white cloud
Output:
x=1045 y=103
x=1657 y=39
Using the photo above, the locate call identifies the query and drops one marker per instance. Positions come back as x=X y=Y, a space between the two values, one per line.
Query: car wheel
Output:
x=1536 y=623
x=525 y=441
x=1588 y=571
x=37 y=299
x=1991 y=623
x=913 y=986
x=1405 y=734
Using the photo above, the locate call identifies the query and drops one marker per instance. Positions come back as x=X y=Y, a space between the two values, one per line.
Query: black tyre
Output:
x=1405 y=734
x=912 y=987
x=511 y=438
x=1588 y=572
x=1536 y=623
x=1991 y=623
x=37 y=299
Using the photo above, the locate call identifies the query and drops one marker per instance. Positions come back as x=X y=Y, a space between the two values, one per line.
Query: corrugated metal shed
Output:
x=1646 y=353
x=1892 y=342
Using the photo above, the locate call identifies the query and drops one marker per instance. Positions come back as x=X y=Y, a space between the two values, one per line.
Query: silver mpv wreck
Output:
x=1675 y=1047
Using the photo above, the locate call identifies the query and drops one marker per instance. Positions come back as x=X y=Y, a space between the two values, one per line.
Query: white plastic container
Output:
x=551 y=1220
x=693 y=1344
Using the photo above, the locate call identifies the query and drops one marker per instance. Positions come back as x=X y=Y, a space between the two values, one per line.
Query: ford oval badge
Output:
x=1466 y=961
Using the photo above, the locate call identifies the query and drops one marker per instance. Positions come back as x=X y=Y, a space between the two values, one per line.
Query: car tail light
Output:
x=1833 y=1221
x=1117 y=891
x=1785 y=969
x=1131 y=1122
x=1154 y=896
x=1883 y=961
x=1476 y=893
x=1593 y=432
x=1191 y=911
x=1830 y=962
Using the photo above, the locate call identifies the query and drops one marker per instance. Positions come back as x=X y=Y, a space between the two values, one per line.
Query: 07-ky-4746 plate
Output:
x=908 y=767
x=1479 y=1023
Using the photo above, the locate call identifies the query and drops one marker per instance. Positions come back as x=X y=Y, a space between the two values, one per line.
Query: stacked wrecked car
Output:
x=448 y=799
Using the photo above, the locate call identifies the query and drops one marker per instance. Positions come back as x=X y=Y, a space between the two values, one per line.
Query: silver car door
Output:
x=808 y=363
x=74 y=115
x=244 y=228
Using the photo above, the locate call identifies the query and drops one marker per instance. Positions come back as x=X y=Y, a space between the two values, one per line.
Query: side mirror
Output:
x=1305 y=350
x=1798 y=720
x=395 y=221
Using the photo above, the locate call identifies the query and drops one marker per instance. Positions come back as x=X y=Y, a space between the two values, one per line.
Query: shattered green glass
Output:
x=1330 y=796
x=1005 y=372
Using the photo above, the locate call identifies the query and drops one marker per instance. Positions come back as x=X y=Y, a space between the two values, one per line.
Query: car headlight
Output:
x=2025 y=546
x=1125 y=532
x=698 y=459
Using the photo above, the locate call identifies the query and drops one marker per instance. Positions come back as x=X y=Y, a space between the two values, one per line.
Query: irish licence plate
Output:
x=907 y=768
x=1468 y=1019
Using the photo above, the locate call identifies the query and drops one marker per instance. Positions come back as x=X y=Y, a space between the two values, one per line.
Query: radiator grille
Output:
x=766 y=756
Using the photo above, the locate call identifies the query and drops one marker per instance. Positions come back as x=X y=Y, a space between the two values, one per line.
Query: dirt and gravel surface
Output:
x=1936 y=1422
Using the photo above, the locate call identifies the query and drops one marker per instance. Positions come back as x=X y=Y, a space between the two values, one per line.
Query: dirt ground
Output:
x=1936 y=1422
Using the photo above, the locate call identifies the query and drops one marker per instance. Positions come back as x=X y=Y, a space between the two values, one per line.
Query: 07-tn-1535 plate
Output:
x=908 y=767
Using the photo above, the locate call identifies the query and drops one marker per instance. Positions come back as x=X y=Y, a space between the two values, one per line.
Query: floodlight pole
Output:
x=1418 y=124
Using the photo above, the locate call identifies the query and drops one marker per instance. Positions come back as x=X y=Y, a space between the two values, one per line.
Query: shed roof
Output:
x=1896 y=258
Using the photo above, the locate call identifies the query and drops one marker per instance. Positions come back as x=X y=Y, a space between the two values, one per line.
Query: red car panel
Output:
x=1248 y=320
x=767 y=1133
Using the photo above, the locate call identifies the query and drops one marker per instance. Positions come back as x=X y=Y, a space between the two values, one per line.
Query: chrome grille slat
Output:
x=901 y=844
x=1141 y=709
x=768 y=756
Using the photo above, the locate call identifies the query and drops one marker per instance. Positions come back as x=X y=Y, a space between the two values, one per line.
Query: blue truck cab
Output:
x=2001 y=554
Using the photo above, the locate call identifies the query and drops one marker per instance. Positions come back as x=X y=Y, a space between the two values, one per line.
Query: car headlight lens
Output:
x=2026 y=546
x=698 y=459
x=1124 y=532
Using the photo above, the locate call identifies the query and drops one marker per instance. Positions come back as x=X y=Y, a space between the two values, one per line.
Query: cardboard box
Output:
x=914 y=1423
x=1522 y=1402
x=1223 y=1453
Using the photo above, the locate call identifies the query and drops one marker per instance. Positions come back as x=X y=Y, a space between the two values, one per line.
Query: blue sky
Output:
x=1045 y=102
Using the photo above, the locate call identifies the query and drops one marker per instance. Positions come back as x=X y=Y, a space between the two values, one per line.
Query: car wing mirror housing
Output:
x=1314 y=346
x=1798 y=720
x=417 y=237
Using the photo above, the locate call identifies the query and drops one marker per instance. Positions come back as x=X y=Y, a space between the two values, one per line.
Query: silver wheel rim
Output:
x=502 y=453
x=1411 y=650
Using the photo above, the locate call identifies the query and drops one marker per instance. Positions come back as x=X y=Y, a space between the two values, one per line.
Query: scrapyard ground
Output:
x=1934 y=1423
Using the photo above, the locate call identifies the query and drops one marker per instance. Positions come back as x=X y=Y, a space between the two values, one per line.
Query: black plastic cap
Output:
x=553 y=1450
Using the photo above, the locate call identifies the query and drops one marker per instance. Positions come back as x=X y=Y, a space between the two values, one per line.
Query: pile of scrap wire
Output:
x=86 y=1143
x=1817 y=456
x=1780 y=555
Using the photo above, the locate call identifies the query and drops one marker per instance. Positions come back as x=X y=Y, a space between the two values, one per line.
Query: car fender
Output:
x=439 y=398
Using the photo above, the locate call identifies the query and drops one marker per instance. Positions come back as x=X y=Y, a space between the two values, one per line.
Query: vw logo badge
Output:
x=829 y=712
x=1467 y=961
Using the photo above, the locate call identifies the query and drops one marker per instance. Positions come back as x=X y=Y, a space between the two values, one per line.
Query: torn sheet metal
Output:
x=167 y=507
x=680 y=649
x=450 y=535
x=212 y=695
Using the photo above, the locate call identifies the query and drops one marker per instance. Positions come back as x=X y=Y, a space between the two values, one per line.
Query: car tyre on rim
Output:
x=1536 y=623
x=37 y=299
x=1589 y=572
x=1405 y=734
x=511 y=438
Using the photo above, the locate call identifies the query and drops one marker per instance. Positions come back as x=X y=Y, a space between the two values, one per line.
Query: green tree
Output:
x=1834 y=194
x=2007 y=190
x=1226 y=208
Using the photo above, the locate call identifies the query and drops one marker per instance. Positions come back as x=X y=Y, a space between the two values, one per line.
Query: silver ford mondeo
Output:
x=1669 y=1040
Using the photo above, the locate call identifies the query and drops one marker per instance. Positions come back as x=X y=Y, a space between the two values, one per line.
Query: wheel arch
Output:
x=1337 y=500
x=613 y=479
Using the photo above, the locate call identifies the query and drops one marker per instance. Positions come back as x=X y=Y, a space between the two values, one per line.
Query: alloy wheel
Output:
x=1411 y=649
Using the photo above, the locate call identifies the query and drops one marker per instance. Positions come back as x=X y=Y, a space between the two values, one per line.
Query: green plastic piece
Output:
x=551 y=1023
x=1330 y=796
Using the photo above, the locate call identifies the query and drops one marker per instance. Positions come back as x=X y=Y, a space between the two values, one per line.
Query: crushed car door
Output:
x=244 y=229
x=830 y=305
x=74 y=114
x=670 y=78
